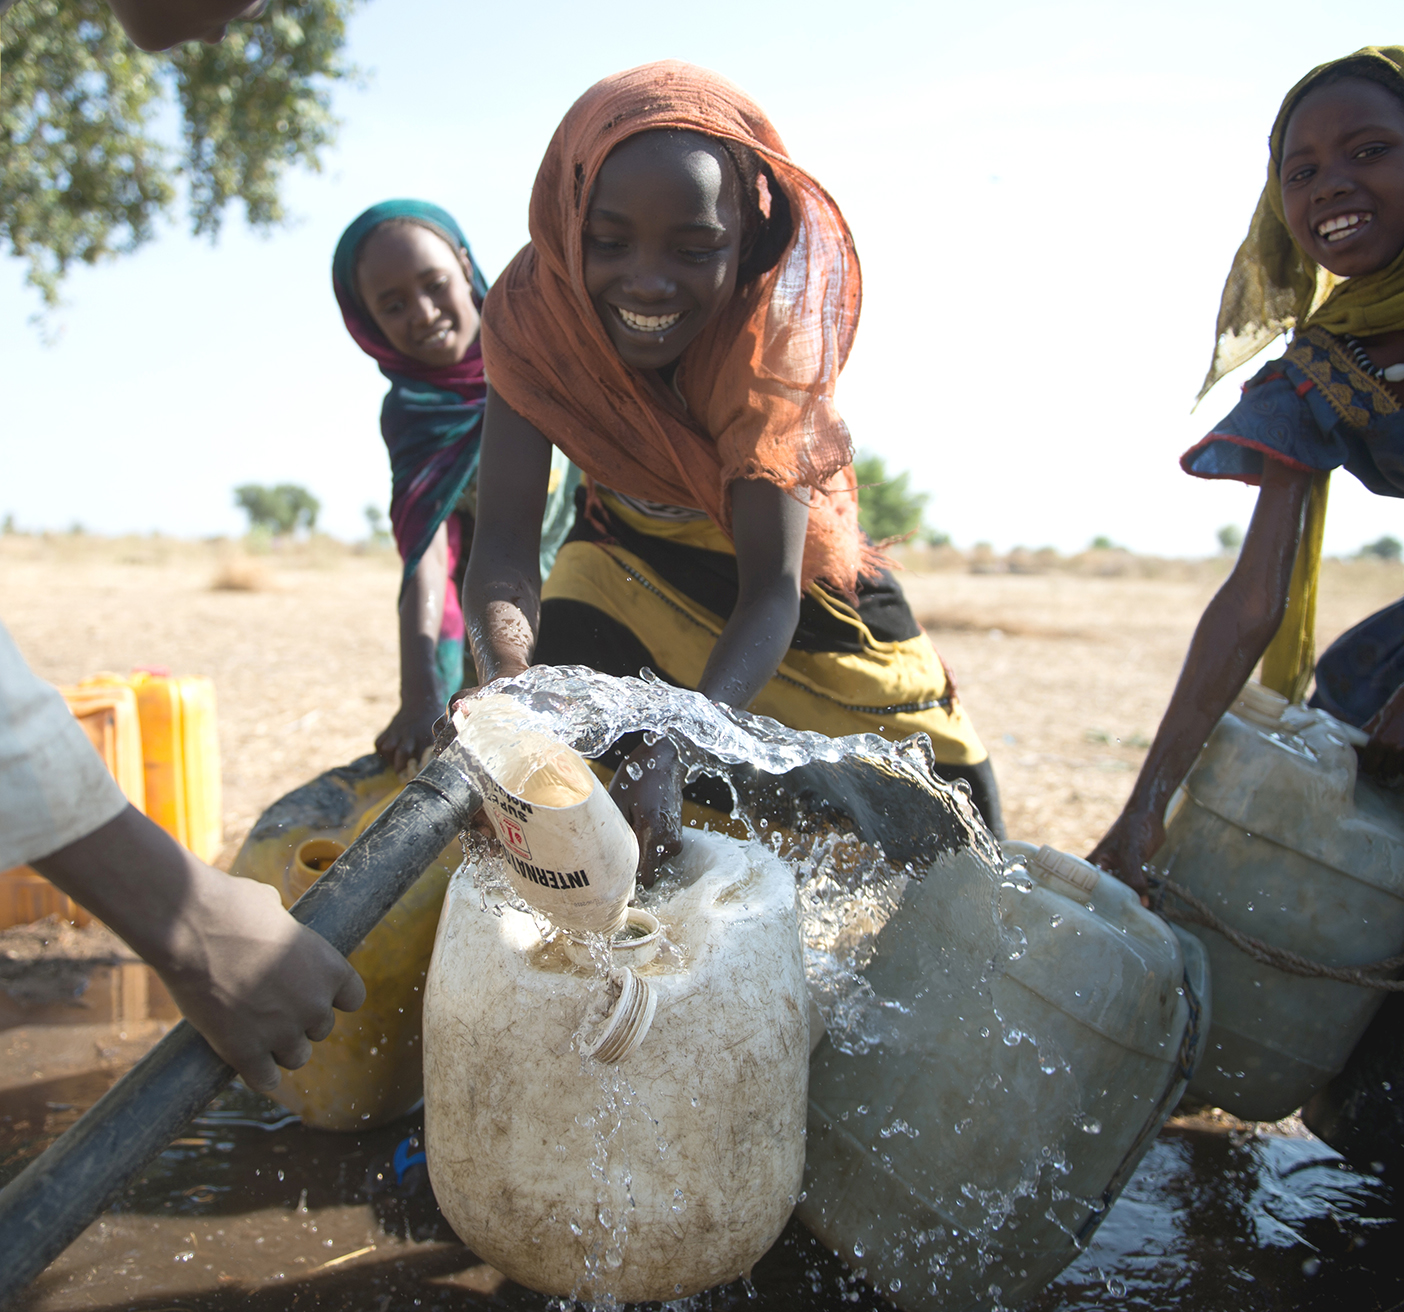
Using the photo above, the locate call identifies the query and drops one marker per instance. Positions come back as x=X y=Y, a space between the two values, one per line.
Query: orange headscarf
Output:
x=759 y=380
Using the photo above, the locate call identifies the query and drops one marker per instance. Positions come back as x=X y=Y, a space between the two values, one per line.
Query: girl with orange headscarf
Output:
x=676 y=327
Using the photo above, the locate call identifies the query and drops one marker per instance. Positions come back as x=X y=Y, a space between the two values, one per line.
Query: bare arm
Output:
x=258 y=985
x=502 y=591
x=1230 y=639
x=768 y=527
x=411 y=732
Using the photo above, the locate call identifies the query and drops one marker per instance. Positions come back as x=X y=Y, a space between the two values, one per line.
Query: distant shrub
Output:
x=887 y=508
x=242 y=574
x=375 y=520
x=1230 y=537
x=280 y=509
x=1386 y=548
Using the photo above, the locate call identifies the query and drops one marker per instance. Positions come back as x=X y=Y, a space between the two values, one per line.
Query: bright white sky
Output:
x=1046 y=198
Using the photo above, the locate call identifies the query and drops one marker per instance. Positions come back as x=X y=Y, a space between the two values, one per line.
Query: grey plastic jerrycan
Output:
x=1275 y=830
x=1045 y=1026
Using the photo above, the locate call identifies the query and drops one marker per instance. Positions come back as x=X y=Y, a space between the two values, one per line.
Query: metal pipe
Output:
x=54 y=1199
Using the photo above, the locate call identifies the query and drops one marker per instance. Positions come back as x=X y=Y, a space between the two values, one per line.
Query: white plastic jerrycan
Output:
x=570 y=853
x=1045 y=1026
x=1277 y=833
x=654 y=1178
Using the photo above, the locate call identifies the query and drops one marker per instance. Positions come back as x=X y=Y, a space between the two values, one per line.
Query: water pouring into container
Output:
x=614 y=1095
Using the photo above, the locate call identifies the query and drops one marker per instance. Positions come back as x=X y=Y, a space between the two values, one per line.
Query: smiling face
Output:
x=662 y=243
x=418 y=289
x=1343 y=176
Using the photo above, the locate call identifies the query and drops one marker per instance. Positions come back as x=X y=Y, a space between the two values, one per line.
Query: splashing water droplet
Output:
x=634 y=770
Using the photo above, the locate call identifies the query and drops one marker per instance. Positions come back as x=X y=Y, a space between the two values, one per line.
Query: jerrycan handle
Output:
x=1260 y=706
x=1065 y=874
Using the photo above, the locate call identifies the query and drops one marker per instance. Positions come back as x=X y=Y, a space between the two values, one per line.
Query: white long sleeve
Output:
x=54 y=788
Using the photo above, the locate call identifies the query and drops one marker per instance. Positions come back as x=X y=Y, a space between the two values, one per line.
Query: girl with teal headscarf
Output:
x=410 y=291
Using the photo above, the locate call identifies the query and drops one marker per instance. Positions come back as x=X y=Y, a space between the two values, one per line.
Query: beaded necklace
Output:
x=1393 y=374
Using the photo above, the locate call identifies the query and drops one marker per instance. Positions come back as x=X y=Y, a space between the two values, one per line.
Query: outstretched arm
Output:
x=1230 y=639
x=768 y=528
x=411 y=732
x=258 y=985
x=502 y=590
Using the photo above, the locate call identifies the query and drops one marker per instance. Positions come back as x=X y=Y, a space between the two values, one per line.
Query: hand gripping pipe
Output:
x=53 y=1200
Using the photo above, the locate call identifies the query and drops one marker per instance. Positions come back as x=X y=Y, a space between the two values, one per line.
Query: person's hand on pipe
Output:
x=257 y=984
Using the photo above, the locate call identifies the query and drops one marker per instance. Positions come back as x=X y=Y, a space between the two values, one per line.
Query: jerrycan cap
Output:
x=628 y=1020
x=1064 y=873
x=1260 y=706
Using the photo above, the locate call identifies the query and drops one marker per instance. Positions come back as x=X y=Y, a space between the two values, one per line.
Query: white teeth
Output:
x=1335 y=229
x=647 y=323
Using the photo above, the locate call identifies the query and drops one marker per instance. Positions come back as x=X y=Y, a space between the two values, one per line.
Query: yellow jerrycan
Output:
x=107 y=709
x=669 y=1160
x=369 y=1070
x=180 y=753
x=178 y=749
x=1277 y=832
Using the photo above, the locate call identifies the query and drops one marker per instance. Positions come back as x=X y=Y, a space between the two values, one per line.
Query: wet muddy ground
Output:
x=1064 y=674
x=249 y=1210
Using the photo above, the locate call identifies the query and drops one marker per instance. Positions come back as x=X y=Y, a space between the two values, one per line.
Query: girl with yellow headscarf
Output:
x=1324 y=259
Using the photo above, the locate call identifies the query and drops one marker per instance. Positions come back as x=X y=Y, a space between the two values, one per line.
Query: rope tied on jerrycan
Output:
x=1197 y=912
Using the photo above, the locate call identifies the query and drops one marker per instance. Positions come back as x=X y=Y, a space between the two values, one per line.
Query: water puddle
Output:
x=249 y=1210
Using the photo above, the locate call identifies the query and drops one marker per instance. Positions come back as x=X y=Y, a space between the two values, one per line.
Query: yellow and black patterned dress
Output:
x=643 y=585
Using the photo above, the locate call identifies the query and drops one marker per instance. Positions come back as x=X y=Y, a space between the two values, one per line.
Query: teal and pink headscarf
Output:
x=431 y=418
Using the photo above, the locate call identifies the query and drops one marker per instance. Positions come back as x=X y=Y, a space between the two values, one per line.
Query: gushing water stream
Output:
x=847 y=888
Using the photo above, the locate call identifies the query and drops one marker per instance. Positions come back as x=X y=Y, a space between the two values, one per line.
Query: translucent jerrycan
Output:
x=369 y=1070
x=669 y=1161
x=1040 y=1029
x=1276 y=832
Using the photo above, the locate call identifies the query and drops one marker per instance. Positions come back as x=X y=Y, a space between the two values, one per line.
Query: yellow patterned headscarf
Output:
x=1273 y=285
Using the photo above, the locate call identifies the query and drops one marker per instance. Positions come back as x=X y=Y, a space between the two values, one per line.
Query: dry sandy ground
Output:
x=1066 y=673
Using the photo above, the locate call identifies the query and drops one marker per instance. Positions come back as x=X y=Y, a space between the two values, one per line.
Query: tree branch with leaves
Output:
x=85 y=172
